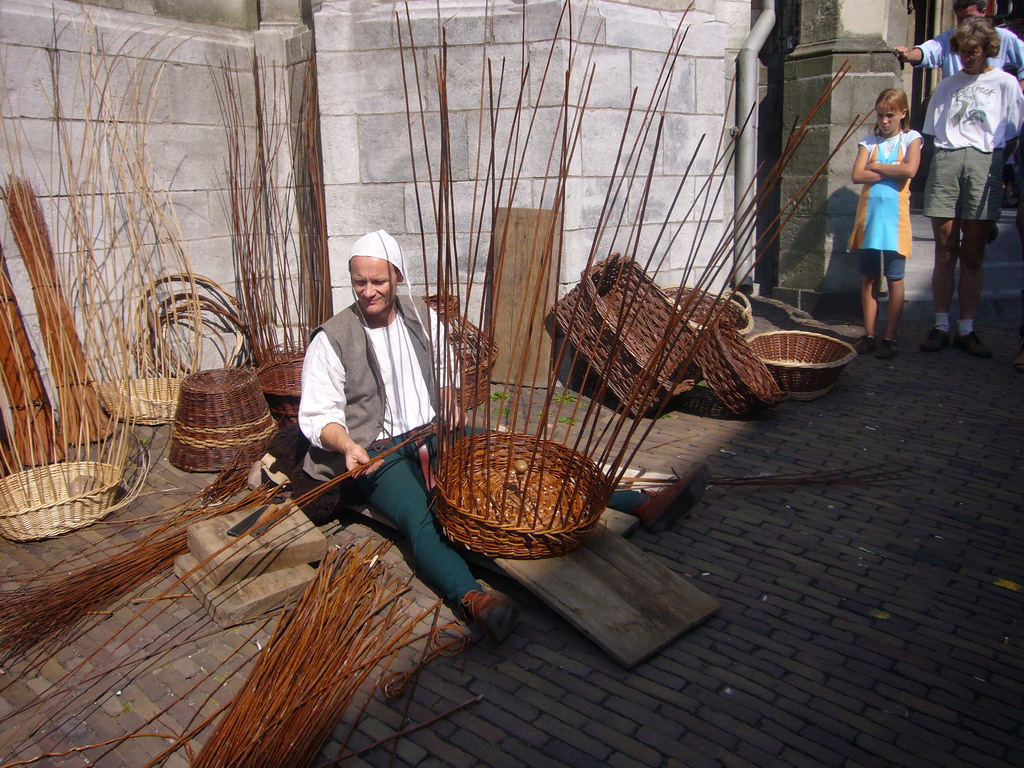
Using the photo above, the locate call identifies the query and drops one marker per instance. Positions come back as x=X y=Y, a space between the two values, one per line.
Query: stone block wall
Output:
x=368 y=171
x=173 y=65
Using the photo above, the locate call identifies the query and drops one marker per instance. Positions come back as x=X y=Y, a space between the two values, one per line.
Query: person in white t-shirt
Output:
x=975 y=117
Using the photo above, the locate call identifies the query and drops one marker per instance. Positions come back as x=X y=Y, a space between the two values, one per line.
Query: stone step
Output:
x=292 y=540
x=238 y=601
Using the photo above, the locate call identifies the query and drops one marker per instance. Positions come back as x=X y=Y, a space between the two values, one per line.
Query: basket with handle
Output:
x=734 y=309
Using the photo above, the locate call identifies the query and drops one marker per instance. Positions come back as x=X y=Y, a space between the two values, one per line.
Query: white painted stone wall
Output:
x=368 y=171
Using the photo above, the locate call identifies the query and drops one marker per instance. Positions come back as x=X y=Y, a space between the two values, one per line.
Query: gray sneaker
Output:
x=887 y=349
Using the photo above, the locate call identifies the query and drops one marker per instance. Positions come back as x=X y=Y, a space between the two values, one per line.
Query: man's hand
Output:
x=336 y=438
x=908 y=55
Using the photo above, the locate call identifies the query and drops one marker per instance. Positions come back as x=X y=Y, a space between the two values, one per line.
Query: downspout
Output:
x=746 y=141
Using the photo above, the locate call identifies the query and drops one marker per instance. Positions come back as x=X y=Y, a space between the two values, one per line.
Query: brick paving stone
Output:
x=795 y=653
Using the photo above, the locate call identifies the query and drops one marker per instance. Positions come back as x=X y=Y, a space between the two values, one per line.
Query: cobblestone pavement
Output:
x=861 y=626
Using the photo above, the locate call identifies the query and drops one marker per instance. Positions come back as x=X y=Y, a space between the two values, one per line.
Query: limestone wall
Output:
x=169 y=68
x=368 y=171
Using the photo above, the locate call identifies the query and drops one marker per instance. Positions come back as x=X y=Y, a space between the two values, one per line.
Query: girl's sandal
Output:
x=1018 y=361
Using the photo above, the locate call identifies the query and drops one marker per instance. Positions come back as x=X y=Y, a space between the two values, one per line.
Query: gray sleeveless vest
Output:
x=364 y=386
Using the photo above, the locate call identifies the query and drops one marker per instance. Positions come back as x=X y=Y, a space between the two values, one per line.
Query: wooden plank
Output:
x=620 y=597
x=524 y=287
x=629 y=604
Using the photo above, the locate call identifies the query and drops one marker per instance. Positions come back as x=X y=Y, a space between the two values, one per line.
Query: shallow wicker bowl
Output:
x=143 y=401
x=56 y=498
x=806 y=365
x=546 y=508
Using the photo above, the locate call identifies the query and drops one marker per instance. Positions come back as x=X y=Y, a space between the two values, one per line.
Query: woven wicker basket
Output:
x=546 y=508
x=742 y=382
x=734 y=310
x=142 y=401
x=281 y=381
x=806 y=365
x=623 y=323
x=223 y=421
x=56 y=498
x=475 y=352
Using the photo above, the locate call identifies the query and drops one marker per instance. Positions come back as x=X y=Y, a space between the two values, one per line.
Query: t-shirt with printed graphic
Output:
x=981 y=111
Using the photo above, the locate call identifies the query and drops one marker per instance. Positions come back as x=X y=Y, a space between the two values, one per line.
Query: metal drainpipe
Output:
x=746 y=146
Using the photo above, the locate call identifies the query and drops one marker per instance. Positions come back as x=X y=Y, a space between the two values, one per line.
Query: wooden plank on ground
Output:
x=522 y=291
x=620 y=597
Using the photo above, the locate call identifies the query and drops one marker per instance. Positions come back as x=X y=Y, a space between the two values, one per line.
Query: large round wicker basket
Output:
x=806 y=365
x=222 y=422
x=148 y=401
x=56 y=498
x=518 y=496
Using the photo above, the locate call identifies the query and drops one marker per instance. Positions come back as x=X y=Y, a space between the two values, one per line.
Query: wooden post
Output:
x=523 y=287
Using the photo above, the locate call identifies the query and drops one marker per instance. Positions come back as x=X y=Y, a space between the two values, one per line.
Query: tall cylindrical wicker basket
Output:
x=222 y=421
x=518 y=496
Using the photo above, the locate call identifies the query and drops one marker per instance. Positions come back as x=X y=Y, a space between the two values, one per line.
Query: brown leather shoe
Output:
x=972 y=345
x=494 y=613
x=667 y=506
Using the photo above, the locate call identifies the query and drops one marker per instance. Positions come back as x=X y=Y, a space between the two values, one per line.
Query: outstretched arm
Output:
x=335 y=437
x=908 y=55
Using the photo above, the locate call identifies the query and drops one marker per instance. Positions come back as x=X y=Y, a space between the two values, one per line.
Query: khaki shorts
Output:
x=964 y=184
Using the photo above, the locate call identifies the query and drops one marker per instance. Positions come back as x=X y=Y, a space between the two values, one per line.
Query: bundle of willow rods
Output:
x=280 y=307
x=32 y=419
x=44 y=615
x=81 y=417
x=349 y=621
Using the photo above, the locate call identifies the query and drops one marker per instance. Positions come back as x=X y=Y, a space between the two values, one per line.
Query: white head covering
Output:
x=380 y=245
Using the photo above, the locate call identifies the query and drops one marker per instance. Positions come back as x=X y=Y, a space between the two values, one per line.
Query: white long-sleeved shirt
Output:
x=406 y=397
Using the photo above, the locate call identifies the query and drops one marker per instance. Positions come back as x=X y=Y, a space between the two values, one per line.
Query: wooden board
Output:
x=622 y=598
x=629 y=604
x=524 y=288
